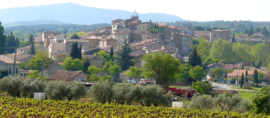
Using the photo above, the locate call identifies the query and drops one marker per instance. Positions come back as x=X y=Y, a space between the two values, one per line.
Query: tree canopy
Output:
x=123 y=58
x=2 y=40
x=197 y=73
x=194 y=58
x=73 y=64
x=164 y=66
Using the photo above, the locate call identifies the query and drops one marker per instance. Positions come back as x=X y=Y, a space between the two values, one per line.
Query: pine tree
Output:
x=233 y=38
x=111 y=54
x=245 y=31
x=74 y=50
x=32 y=46
x=265 y=32
x=74 y=36
x=246 y=75
x=194 y=58
x=11 y=43
x=249 y=33
x=256 y=75
x=2 y=40
x=123 y=58
x=242 y=80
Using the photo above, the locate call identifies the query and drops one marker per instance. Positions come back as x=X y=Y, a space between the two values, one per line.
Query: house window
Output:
x=139 y=27
x=16 y=70
x=172 y=33
x=9 y=70
x=143 y=27
x=184 y=38
x=171 y=38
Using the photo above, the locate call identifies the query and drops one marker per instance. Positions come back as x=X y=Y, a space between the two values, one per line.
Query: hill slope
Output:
x=76 y=14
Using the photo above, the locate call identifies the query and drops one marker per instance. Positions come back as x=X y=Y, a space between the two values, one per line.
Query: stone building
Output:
x=217 y=34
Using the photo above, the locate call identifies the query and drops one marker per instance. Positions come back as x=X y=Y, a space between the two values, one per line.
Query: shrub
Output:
x=135 y=94
x=244 y=106
x=101 y=91
x=201 y=102
x=58 y=90
x=153 y=94
x=120 y=93
x=227 y=102
x=260 y=101
x=30 y=86
x=11 y=85
x=202 y=87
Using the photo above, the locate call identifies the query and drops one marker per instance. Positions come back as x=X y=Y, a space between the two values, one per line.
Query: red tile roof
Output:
x=64 y=75
x=239 y=72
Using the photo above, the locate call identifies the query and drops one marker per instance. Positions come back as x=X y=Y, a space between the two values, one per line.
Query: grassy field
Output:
x=246 y=94
x=250 y=88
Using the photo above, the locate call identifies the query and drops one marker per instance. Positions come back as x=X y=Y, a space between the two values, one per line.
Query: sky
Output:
x=195 y=10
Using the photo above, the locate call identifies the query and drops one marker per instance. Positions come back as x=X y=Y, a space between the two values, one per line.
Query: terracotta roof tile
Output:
x=64 y=75
x=239 y=72
x=7 y=59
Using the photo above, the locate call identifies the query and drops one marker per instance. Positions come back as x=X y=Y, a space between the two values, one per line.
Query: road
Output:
x=226 y=87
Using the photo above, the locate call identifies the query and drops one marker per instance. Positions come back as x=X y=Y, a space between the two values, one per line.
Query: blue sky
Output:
x=199 y=10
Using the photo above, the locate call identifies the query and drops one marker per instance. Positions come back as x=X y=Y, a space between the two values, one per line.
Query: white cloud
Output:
x=199 y=10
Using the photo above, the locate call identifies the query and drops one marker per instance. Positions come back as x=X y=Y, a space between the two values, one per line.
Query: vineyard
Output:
x=30 y=108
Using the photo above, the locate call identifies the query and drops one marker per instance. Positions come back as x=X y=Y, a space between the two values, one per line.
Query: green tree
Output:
x=93 y=69
x=194 y=59
x=203 y=49
x=115 y=69
x=246 y=75
x=30 y=86
x=257 y=51
x=123 y=58
x=58 y=90
x=11 y=43
x=233 y=38
x=35 y=64
x=35 y=75
x=73 y=65
x=22 y=66
x=74 y=36
x=104 y=55
x=3 y=73
x=164 y=66
x=195 y=42
x=218 y=72
x=201 y=87
x=197 y=73
x=134 y=72
x=107 y=78
x=260 y=101
x=86 y=64
x=241 y=52
x=256 y=77
x=199 y=28
x=183 y=73
x=44 y=56
x=222 y=50
x=76 y=51
x=32 y=46
x=94 y=78
x=2 y=40
x=111 y=54
x=102 y=92
x=107 y=65
x=265 y=32
x=242 y=80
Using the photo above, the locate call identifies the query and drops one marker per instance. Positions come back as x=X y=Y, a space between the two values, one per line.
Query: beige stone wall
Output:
x=215 y=35
x=54 y=68
x=93 y=43
x=80 y=77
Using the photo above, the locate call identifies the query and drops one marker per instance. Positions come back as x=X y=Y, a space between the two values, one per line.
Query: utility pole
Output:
x=14 y=61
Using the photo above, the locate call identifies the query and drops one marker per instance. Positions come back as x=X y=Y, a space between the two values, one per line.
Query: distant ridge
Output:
x=36 y=22
x=75 y=14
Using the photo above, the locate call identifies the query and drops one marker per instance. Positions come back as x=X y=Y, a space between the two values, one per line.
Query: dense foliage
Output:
x=123 y=58
x=201 y=87
x=73 y=64
x=260 y=101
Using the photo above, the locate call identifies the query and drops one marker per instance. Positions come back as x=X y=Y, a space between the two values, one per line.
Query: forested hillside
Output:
x=24 y=31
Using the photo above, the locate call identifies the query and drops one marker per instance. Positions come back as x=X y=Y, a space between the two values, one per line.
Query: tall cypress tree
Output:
x=123 y=58
x=265 y=32
x=111 y=54
x=79 y=53
x=2 y=40
x=251 y=30
x=194 y=58
x=74 y=50
x=11 y=43
x=32 y=46
x=246 y=75
x=86 y=65
x=233 y=38
x=242 y=80
x=256 y=75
